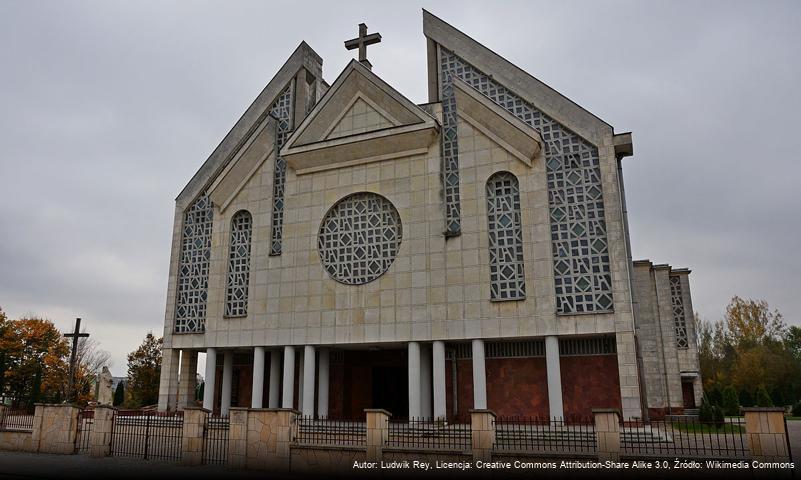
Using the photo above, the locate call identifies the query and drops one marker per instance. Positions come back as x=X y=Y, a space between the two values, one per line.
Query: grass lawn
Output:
x=792 y=418
x=708 y=428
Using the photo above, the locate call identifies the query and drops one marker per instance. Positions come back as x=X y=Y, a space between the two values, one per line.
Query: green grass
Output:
x=790 y=417
x=708 y=428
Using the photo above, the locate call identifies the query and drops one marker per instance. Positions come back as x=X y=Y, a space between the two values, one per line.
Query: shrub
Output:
x=797 y=410
x=709 y=413
x=761 y=397
x=730 y=404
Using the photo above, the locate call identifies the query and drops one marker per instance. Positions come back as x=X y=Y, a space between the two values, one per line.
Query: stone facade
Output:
x=450 y=285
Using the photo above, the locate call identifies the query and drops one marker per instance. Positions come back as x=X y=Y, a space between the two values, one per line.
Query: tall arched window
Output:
x=507 y=276
x=236 y=294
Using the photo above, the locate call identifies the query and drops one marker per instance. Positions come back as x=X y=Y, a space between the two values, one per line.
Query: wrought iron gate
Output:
x=147 y=434
x=86 y=419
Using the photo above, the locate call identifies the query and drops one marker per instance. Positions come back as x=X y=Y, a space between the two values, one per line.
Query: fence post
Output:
x=239 y=420
x=482 y=429
x=100 y=434
x=192 y=444
x=55 y=428
x=270 y=432
x=377 y=433
x=767 y=436
x=607 y=433
x=3 y=409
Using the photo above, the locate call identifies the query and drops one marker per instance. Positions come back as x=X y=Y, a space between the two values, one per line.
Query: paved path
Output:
x=794 y=429
x=16 y=465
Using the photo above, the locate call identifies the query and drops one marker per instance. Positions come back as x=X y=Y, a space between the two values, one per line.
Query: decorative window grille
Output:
x=193 y=270
x=236 y=294
x=582 y=277
x=359 y=238
x=450 y=158
x=282 y=111
x=679 y=321
x=587 y=346
x=507 y=276
x=527 y=348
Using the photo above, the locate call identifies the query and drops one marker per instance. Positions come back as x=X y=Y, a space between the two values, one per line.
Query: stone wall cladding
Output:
x=16 y=441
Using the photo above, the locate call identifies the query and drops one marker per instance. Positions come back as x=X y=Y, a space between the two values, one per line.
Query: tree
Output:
x=34 y=361
x=119 y=394
x=762 y=398
x=731 y=404
x=750 y=321
x=144 y=370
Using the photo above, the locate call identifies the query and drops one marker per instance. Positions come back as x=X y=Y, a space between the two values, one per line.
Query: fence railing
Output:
x=18 y=420
x=684 y=437
x=311 y=431
x=86 y=419
x=537 y=435
x=427 y=433
x=215 y=440
x=147 y=434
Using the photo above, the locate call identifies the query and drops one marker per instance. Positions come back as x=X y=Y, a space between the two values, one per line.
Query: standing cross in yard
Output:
x=74 y=355
x=361 y=43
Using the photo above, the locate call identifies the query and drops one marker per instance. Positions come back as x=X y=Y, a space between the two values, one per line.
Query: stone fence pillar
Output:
x=238 y=418
x=767 y=436
x=269 y=434
x=55 y=428
x=607 y=433
x=3 y=410
x=192 y=441
x=482 y=426
x=100 y=435
x=377 y=433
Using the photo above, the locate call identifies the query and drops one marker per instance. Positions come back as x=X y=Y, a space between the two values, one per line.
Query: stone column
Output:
x=275 y=379
x=289 y=377
x=100 y=435
x=192 y=441
x=554 y=377
x=257 y=392
x=322 y=382
x=767 y=436
x=55 y=429
x=228 y=373
x=308 y=381
x=479 y=376
x=208 y=385
x=377 y=433
x=188 y=379
x=270 y=433
x=607 y=433
x=414 y=380
x=438 y=378
x=238 y=441
x=168 y=382
x=482 y=426
x=426 y=369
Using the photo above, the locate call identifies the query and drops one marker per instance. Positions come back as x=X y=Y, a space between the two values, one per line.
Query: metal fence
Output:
x=537 y=435
x=86 y=419
x=18 y=420
x=147 y=434
x=684 y=437
x=427 y=433
x=311 y=431
x=215 y=440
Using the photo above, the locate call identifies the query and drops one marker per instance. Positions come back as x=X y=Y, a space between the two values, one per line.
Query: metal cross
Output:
x=361 y=43
x=75 y=335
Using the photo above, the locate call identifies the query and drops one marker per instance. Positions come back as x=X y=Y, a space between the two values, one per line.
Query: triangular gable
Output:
x=302 y=58
x=532 y=90
x=352 y=121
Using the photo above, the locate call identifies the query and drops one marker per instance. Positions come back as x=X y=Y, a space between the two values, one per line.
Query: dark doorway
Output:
x=391 y=390
x=688 y=394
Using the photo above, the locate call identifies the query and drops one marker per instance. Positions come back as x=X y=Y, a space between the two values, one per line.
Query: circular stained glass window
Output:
x=359 y=238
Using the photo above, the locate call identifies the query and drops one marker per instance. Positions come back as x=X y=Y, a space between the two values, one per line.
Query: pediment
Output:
x=517 y=137
x=360 y=119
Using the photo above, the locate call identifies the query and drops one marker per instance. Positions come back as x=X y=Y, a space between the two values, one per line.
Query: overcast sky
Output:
x=108 y=108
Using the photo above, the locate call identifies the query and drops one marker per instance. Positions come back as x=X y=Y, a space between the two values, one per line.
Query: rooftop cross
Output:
x=361 y=43
x=74 y=356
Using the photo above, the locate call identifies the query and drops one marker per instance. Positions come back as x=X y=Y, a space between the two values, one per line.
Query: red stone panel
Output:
x=517 y=386
x=589 y=381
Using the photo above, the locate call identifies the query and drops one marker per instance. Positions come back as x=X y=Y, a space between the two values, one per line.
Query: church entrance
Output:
x=363 y=379
x=391 y=390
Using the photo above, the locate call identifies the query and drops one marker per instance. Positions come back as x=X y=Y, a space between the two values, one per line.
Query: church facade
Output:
x=345 y=248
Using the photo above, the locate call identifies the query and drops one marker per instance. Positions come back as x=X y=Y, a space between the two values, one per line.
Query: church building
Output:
x=346 y=248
